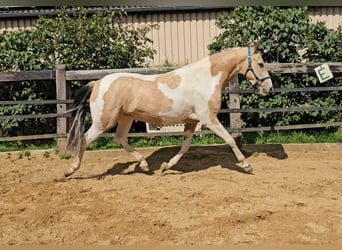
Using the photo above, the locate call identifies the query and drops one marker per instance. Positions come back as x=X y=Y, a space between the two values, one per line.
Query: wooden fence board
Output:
x=286 y=90
x=27 y=137
x=61 y=94
x=299 y=68
x=27 y=75
x=292 y=127
x=234 y=103
x=32 y=116
x=273 y=110
x=97 y=74
x=36 y=102
x=222 y=111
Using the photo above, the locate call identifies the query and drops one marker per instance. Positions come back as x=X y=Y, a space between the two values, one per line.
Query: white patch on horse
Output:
x=185 y=98
x=96 y=107
x=177 y=98
x=204 y=90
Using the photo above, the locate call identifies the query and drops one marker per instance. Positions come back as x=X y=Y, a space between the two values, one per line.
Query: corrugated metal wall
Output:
x=14 y=24
x=183 y=37
x=332 y=16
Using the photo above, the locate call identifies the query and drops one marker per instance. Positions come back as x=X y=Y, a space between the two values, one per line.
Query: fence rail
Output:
x=62 y=79
x=34 y=75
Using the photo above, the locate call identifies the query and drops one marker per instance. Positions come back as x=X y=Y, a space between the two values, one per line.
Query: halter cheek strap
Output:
x=250 y=68
x=249 y=58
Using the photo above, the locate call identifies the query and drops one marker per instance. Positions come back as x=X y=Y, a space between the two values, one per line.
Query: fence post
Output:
x=234 y=103
x=61 y=94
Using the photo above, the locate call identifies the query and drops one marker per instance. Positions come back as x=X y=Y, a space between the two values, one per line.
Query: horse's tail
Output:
x=78 y=114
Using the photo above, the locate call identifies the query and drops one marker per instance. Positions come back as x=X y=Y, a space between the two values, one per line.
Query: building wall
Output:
x=14 y=24
x=332 y=16
x=182 y=36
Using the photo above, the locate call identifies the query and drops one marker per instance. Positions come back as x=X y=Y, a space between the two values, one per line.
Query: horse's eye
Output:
x=261 y=64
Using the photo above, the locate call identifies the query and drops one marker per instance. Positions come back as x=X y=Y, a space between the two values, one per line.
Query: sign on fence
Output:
x=323 y=73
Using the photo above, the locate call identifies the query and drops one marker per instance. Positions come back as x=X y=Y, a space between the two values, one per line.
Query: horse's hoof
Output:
x=67 y=174
x=144 y=167
x=164 y=166
x=248 y=169
x=130 y=169
x=61 y=179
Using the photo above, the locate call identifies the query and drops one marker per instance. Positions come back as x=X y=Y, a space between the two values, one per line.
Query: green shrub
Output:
x=282 y=33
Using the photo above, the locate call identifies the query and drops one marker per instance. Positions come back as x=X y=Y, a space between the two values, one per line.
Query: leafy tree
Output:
x=91 y=42
x=283 y=34
x=80 y=41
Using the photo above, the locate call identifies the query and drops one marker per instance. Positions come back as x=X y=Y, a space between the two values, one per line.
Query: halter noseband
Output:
x=250 y=68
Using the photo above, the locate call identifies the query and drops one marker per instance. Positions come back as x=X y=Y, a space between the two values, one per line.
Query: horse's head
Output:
x=255 y=71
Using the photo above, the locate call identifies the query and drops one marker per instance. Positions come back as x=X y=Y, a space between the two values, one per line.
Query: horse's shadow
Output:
x=198 y=158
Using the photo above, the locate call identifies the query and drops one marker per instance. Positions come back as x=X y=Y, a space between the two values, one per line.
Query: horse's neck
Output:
x=197 y=71
x=216 y=69
x=227 y=61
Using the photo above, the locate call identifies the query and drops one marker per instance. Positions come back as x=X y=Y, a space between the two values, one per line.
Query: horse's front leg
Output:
x=188 y=133
x=219 y=130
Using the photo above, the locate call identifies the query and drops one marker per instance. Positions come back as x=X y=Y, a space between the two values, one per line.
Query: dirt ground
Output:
x=294 y=197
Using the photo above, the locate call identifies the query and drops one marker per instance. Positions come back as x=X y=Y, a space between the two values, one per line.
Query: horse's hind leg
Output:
x=188 y=133
x=91 y=135
x=124 y=125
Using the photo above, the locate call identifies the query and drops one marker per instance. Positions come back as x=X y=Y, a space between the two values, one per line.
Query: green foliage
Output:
x=80 y=41
x=313 y=136
x=282 y=33
x=46 y=154
x=91 y=42
x=24 y=153
x=64 y=156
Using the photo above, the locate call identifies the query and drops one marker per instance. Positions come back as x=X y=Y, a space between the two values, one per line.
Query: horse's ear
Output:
x=255 y=46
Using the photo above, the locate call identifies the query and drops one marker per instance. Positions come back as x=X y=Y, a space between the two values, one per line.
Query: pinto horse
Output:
x=189 y=95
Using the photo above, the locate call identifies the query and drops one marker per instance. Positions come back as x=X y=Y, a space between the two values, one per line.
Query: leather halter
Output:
x=250 y=68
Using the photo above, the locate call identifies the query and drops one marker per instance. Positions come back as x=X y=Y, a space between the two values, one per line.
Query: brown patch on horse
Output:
x=138 y=98
x=171 y=79
x=95 y=91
